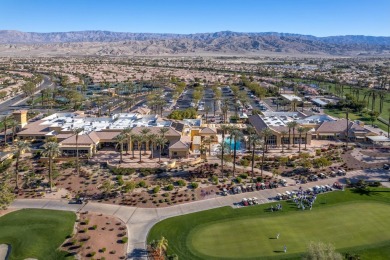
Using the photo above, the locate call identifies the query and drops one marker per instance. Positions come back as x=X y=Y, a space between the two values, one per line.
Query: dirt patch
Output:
x=97 y=236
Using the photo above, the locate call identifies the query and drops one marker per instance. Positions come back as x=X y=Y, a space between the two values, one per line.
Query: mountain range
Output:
x=107 y=43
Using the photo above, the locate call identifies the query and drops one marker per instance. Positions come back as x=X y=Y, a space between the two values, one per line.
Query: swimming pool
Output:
x=239 y=144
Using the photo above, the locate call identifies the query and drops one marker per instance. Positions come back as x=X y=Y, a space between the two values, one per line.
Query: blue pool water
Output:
x=238 y=144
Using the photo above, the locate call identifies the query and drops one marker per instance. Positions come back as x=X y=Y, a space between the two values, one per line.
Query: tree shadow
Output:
x=278 y=251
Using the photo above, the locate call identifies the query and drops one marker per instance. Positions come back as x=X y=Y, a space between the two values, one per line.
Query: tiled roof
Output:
x=208 y=130
x=35 y=128
x=179 y=145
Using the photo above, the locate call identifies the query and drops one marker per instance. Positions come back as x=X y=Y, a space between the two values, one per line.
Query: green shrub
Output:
x=214 y=179
x=120 y=180
x=169 y=187
x=194 y=185
x=123 y=171
x=141 y=184
x=259 y=179
x=156 y=189
x=243 y=175
x=103 y=250
x=181 y=183
x=124 y=240
x=238 y=179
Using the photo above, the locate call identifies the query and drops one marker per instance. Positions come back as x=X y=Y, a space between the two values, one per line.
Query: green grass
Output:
x=354 y=116
x=354 y=221
x=36 y=233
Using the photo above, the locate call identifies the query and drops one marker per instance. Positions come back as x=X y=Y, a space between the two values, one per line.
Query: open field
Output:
x=36 y=233
x=249 y=233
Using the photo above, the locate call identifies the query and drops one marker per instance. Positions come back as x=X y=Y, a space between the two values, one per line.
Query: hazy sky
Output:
x=315 y=17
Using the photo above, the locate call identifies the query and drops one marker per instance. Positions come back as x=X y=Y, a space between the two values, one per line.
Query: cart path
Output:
x=140 y=220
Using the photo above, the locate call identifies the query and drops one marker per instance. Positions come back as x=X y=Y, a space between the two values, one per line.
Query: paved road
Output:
x=19 y=101
x=140 y=220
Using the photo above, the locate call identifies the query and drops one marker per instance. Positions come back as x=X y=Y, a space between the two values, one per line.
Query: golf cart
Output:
x=244 y=202
x=255 y=200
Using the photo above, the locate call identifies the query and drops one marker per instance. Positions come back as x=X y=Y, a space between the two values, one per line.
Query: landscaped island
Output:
x=353 y=221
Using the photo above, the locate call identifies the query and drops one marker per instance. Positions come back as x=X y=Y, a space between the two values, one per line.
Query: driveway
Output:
x=140 y=220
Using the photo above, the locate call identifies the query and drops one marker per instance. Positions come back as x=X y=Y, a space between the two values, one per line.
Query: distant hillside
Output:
x=226 y=42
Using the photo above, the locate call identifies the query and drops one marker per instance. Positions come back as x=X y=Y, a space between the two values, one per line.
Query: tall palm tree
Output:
x=221 y=148
x=13 y=124
x=266 y=133
x=162 y=132
x=51 y=150
x=294 y=125
x=139 y=139
x=128 y=133
x=160 y=141
x=347 y=111
x=76 y=132
x=19 y=148
x=152 y=140
x=251 y=130
x=388 y=123
x=283 y=134
x=307 y=129
x=236 y=134
x=300 y=130
x=4 y=120
x=290 y=125
x=144 y=134
x=254 y=140
x=120 y=139
x=207 y=110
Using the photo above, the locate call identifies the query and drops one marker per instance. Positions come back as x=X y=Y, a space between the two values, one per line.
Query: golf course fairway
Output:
x=356 y=222
x=344 y=226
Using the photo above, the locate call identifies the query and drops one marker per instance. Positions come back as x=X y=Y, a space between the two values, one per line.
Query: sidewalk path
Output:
x=140 y=220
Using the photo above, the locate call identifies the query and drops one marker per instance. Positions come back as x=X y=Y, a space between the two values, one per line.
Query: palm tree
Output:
x=163 y=131
x=290 y=125
x=13 y=124
x=160 y=141
x=251 y=130
x=139 y=139
x=301 y=130
x=388 y=123
x=347 y=111
x=152 y=139
x=262 y=144
x=51 y=150
x=237 y=135
x=283 y=134
x=19 y=148
x=207 y=110
x=294 y=125
x=208 y=140
x=307 y=129
x=254 y=140
x=266 y=133
x=144 y=134
x=4 y=120
x=162 y=245
x=76 y=132
x=120 y=139
x=127 y=132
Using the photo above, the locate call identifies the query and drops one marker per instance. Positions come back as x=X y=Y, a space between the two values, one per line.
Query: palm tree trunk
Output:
x=234 y=157
x=300 y=140
x=159 y=155
x=140 y=153
x=121 y=153
x=17 y=173
x=253 y=159
x=151 y=150
x=50 y=173
x=262 y=161
x=305 y=140
x=282 y=144
x=77 y=156
x=289 y=139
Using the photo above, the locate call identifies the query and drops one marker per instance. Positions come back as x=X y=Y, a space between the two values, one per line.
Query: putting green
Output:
x=343 y=225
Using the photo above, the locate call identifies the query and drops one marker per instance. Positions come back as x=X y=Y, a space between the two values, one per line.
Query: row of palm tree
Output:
x=127 y=136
